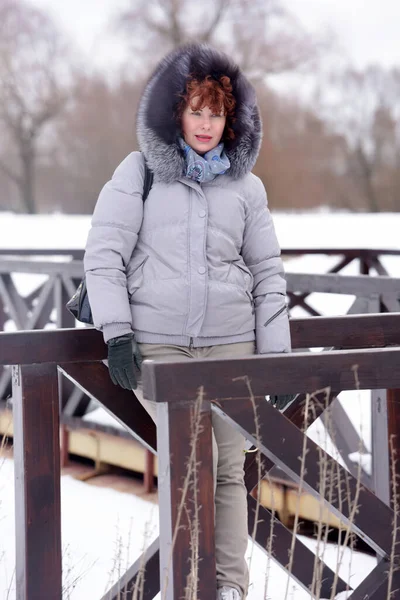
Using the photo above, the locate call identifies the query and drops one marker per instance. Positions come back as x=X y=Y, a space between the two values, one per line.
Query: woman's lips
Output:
x=203 y=138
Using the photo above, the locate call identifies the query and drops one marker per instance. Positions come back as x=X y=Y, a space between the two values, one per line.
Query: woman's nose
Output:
x=206 y=123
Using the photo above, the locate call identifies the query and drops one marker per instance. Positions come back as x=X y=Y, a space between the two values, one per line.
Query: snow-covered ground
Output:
x=105 y=530
x=320 y=229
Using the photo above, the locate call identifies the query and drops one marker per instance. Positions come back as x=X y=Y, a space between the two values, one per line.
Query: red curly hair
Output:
x=216 y=94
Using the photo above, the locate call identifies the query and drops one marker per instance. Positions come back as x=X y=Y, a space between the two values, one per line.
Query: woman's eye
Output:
x=196 y=113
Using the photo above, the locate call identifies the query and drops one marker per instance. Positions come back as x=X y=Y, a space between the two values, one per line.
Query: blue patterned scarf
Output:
x=204 y=168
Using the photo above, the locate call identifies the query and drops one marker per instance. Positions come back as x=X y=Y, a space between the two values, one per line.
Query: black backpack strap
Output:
x=148 y=180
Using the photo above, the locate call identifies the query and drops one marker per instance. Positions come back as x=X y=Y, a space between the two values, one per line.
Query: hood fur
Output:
x=157 y=130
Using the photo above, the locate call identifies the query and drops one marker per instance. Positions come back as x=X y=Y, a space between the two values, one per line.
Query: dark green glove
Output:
x=280 y=401
x=123 y=353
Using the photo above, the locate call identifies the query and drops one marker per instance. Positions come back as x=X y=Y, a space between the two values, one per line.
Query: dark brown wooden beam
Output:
x=376 y=585
x=295 y=413
x=304 y=558
x=378 y=266
x=393 y=410
x=273 y=374
x=350 y=331
x=186 y=501
x=94 y=380
x=39 y=346
x=299 y=300
x=284 y=445
x=364 y=266
x=80 y=345
x=148 y=482
x=148 y=567
x=341 y=264
x=37 y=482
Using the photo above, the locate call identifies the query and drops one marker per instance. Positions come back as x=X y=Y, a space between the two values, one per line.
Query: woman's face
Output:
x=202 y=129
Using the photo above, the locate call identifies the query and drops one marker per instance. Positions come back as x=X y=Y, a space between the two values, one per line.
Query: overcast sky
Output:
x=368 y=30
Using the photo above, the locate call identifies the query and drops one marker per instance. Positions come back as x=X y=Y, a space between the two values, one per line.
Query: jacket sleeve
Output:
x=115 y=226
x=261 y=253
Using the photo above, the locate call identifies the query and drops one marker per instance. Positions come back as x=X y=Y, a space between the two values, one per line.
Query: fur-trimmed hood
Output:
x=157 y=131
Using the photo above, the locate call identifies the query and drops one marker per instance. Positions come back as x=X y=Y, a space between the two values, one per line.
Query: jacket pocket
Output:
x=134 y=275
x=275 y=315
x=251 y=299
x=245 y=274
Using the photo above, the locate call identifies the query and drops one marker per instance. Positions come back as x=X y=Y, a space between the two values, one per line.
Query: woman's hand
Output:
x=123 y=353
x=281 y=401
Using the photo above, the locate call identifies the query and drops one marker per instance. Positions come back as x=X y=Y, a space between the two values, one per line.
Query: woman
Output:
x=195 y=271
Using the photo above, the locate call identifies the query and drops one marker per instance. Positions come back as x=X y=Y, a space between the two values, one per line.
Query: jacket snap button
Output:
x=202 y=213
x=202 y=270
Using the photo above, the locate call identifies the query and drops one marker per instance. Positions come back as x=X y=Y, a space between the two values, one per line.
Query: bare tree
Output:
x=33 y=81
x=364 y=106
x=167 y=24
x=265 y=38
x=262 y=35
x=95 y=132
x=301 y=160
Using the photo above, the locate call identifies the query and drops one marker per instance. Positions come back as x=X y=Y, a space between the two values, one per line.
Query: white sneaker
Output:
x=228 y=593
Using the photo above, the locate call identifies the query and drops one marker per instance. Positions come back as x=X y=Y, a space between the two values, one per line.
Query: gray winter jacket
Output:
x=197 y=264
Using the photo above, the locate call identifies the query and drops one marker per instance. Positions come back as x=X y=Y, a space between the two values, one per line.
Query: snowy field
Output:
x=320 y=229
x=104 y=530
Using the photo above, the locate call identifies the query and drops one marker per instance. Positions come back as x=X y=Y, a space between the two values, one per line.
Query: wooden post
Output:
x=148 y=481
x=186 y=500
x=380 y=451
x=393 y=409
x=364 y=266
x=64 y=446
x=37 y=482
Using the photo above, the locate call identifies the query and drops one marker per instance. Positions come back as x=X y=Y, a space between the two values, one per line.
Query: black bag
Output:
x=79 y=305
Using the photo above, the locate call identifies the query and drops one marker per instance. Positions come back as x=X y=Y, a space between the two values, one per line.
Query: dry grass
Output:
x=331 y=486
x=73 y=573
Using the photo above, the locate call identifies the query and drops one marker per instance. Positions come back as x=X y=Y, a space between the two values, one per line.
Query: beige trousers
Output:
x=231 y=533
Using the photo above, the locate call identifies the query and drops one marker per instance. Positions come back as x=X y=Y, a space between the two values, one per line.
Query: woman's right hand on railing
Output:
x=123 y=354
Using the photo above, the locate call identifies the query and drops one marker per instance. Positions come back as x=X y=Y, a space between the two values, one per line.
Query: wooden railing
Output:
x=43 y=306
x=368 y=259
x=34 y=311
x=366 y=356
x=63 y=277
x=64 y=271
x=46 y=303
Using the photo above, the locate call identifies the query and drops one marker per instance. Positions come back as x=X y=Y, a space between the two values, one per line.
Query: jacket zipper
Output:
x=280 y=311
